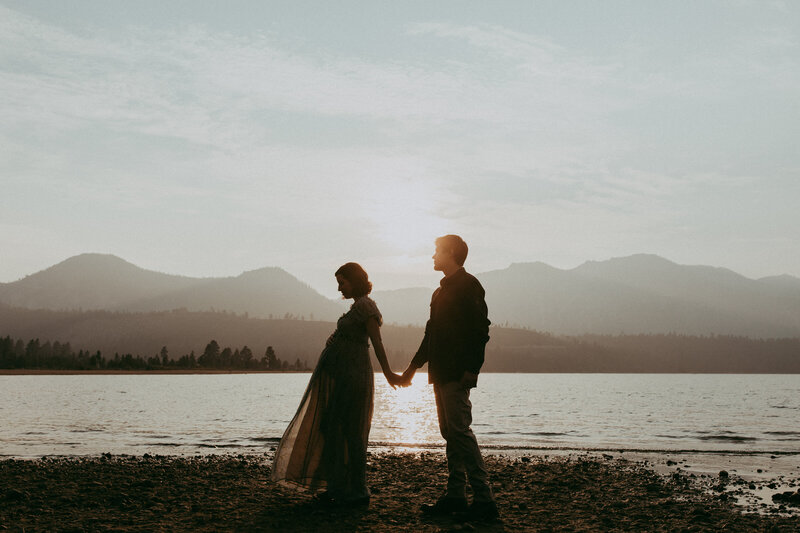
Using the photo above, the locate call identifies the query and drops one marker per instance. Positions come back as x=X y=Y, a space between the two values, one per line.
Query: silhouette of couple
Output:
x=324 y=449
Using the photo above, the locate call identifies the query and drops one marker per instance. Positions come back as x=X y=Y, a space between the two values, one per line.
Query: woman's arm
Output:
x=374 y=332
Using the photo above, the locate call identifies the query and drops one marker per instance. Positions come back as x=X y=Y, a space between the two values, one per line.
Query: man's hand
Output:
x=405 y=379
x=469 y=380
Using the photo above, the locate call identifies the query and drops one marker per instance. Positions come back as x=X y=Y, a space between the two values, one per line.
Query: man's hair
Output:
x=456 y=246
x=357 y=277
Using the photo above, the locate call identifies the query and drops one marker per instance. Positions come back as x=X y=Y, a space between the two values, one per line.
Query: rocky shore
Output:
x=233 y=493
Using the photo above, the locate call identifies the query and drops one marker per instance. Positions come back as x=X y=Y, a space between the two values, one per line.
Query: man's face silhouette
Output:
x=442 y=259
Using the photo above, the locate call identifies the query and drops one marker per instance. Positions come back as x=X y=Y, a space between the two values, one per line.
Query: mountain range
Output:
x=108 y=283
x=636 y=294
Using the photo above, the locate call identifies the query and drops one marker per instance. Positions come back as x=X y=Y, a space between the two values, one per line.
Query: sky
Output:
x=212 y=138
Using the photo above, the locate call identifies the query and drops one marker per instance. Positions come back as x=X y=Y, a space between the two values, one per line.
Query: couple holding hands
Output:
x=325 y=446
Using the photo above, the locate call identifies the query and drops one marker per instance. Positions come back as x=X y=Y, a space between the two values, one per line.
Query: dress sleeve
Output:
x=366 y=308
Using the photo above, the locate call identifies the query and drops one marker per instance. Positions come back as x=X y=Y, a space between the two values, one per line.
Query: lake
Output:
x=247 y=413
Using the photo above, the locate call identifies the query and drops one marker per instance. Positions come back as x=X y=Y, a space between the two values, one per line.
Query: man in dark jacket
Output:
x=453 y=346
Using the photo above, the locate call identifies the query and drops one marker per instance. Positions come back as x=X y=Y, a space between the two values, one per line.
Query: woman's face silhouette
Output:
x=344 y=287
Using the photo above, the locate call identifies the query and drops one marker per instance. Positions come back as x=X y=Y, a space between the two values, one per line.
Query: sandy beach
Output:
x=233 y=493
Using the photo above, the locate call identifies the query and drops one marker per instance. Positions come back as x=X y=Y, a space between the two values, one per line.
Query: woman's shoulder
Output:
x=366 y=307
x=365 y=302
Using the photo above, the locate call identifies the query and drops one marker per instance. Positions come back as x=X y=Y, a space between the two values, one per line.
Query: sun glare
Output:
x=405 y=215
x=409 y=414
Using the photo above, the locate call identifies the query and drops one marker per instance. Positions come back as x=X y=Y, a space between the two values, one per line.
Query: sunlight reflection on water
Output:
x=247 y=413
x=405 y=415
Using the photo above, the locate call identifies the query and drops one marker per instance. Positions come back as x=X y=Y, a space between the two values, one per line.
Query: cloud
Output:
x=209 y=90
x=203 y=86
x=246 y=137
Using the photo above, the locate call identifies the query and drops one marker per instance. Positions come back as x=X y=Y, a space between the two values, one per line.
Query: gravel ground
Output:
x=233 y=493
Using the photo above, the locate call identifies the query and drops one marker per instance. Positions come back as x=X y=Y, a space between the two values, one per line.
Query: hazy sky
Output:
x=210 y=138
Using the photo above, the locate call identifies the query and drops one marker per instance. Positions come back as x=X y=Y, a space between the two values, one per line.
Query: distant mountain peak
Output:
x=270 y=270
x=94 y=255
x=636 y=260
x=781 y=282
x=782 y=277
x=531 y=266
x=268 y=274
x=94 y=259
x=84 y=265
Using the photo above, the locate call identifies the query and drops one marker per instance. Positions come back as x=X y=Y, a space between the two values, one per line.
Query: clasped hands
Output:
x=403 y=380
x=468 y=380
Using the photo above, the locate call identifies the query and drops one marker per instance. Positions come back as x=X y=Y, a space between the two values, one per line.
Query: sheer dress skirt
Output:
x=325 y=445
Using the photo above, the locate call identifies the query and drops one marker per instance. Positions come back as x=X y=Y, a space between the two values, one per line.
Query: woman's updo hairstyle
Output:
x=357 y=277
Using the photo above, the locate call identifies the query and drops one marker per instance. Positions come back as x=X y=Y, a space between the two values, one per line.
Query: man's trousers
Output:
x=464 y=461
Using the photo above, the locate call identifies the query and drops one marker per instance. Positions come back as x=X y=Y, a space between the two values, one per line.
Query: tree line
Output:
x=35 y=355
x=518 y=351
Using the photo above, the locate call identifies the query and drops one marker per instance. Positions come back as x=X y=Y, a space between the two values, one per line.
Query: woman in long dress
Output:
x=324 y=449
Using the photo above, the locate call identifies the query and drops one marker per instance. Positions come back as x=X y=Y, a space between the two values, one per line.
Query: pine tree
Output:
x=246 y=357
x=273 y=363
x=210 y=356
x=164 y=356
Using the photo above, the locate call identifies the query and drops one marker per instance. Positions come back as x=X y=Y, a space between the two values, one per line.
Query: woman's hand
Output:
x=393 y=379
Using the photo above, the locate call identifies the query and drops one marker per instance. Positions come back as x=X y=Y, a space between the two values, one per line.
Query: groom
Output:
x=453 y=346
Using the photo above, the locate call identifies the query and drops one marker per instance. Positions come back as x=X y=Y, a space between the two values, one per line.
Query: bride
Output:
x=325 y=446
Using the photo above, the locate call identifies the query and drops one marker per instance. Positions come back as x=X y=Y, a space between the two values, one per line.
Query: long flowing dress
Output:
x=325 y=445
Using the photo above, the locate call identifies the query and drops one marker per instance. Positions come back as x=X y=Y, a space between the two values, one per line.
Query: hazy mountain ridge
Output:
x=783 y=282
x=649 y=294
x=106 y=282
x=262 y=293
x=635 y=294
x=89 y=281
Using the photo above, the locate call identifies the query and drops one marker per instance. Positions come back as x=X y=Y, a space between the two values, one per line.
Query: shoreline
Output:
x=46 y=372
x=233 y=492
x=55 y=372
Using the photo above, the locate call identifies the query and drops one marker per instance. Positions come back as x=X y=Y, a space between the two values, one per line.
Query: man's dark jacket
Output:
x=457 y=331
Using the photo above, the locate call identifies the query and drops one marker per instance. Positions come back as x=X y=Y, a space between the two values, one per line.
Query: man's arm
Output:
x=476 y=329
x=422 y=355
x=419 y=359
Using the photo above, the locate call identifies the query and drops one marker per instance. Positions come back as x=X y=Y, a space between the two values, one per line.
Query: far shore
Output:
x=47 y=372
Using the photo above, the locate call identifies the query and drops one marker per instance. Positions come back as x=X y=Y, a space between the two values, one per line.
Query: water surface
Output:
x=247 y=413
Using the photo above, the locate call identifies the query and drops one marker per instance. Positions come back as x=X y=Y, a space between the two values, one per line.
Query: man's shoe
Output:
x=357 y=502
x=480 y=512
x=324 y=499
x=445 y=506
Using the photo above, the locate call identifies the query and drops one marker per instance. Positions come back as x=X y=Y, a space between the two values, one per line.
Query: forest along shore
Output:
x=44 y=372
x=210 y=493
